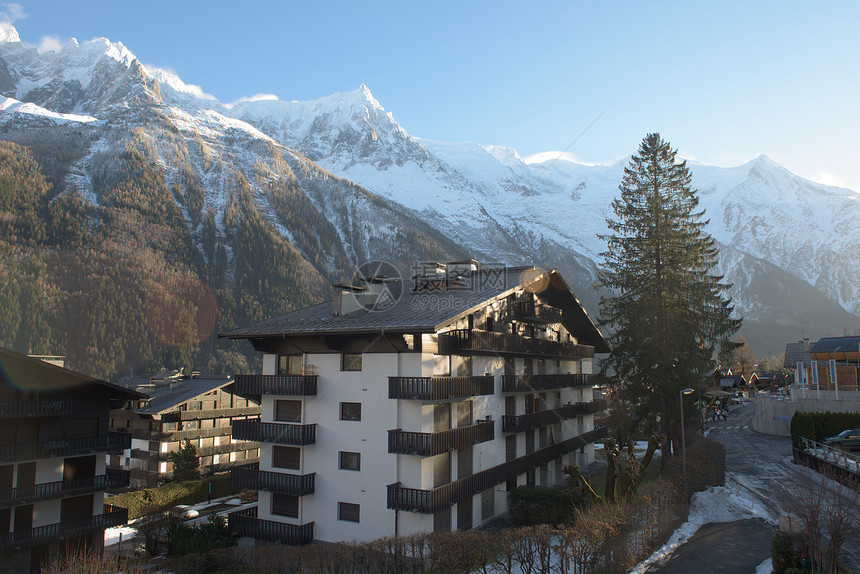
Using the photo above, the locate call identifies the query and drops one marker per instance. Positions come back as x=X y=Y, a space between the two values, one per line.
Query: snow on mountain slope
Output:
x=13 y=107
x=487 y=199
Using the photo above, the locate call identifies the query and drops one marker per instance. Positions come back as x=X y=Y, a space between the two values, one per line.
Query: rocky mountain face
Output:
x=265 y=201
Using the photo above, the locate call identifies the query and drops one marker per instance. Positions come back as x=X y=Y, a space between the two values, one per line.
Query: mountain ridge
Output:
x=340 y=180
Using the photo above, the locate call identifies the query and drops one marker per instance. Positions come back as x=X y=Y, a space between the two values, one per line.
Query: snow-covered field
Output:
x=717 y=504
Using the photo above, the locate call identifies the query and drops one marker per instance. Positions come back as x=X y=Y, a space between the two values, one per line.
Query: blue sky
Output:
x=722 y=81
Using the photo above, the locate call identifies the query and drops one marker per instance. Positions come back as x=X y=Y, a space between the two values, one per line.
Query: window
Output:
x=350 y=411
x=350 y=460
x=348 y=512
x=285 y=505
x=288 y=411
x=350 y=362
x=286 y=457
x=290 y=365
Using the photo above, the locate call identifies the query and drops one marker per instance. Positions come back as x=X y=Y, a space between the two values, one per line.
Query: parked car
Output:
x=183 y=512
x=849 y=439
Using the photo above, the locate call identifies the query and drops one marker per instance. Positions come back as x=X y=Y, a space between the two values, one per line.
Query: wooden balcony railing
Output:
x=63 y=488
x=529 y=383
x=211 y=414
x=439 y=388
x=174 y=436
x=44 y=534
x=252 y=478
x=246 y=523
x=433 y=443
x=528 y=311
x=431 y=501
x=287 y=385
x=520 y=423
x=476 y=342
x=35 y=408
x=275 y=433
x=56 y=448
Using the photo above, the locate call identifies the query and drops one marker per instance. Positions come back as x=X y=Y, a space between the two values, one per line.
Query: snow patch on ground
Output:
x=112 y=534
x=765 y=567
x=717 y=504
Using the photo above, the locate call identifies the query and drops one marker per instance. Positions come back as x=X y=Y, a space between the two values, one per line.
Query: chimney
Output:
x=805 y=344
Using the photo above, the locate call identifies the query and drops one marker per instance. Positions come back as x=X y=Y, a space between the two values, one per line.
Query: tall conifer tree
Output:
x=668 y=309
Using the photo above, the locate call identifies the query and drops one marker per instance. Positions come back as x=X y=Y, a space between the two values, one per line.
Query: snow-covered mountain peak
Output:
x=505 y=155
x=8 y=33
x=177 y=90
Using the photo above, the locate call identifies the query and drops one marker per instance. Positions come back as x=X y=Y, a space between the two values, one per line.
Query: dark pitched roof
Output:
x=836 y=345
x=428 y=311
x=31 y=374
x=168 y=395
x=796 y=353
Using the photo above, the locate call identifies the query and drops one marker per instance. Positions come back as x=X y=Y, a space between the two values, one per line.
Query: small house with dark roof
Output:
x=177 y=407
x=415 y=405
x=54 y=438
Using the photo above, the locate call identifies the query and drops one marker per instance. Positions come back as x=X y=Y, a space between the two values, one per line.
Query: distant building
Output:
x=175 y=408
x=399 y=408
x=53 y=441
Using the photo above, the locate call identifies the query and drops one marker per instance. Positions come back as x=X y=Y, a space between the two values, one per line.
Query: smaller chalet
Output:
x=177 y=407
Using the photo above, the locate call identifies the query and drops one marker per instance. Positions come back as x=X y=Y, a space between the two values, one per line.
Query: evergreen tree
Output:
x=667 y=310
x=185 y=462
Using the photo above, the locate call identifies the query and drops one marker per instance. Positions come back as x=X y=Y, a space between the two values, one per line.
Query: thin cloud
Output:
x=50 y=44
x=10 y=12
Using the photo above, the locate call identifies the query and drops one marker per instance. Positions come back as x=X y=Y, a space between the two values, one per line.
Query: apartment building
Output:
x=404 y=406
x=53 y=444
x=178 y=407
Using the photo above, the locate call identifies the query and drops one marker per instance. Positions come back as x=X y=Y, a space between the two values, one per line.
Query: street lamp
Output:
x=683 y=392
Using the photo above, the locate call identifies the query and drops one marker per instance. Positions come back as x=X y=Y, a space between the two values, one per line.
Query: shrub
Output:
x=141 y=502
x=543 y=505
x=784 y=548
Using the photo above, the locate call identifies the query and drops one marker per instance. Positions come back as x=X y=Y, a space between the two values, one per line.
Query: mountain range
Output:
x=263 y=202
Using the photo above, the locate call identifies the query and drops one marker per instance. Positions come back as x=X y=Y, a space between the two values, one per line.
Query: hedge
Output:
x=816 y=426
x=140 y=502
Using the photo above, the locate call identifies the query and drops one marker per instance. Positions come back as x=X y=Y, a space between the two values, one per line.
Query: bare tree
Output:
x=828 y=511
x=744 y=356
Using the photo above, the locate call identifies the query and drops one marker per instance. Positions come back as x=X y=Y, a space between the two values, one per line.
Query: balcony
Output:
x=211 y=414
x=433 y=443
x=63 y=488
x=56 y=448
x=527 y=311
x=61 y=530
x=529 y=383
x=475 y=342
x=275 y=433
x=35 y=408
x=431 y=501
x=174 y=436
x=246 y=523
x=286 y=385
x=439 y=388
x=520 y=423
x=252 y=478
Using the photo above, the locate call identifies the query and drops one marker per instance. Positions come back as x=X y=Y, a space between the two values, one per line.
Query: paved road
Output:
x=761 y=464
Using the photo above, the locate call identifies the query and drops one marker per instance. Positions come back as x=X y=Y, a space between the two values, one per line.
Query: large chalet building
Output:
x=53 y=443
x=412 y=406
x=176 y=408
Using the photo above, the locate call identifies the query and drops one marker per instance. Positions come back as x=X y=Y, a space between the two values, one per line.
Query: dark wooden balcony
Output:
x=111 y=442
x=63 y=488
x=476 y=342
x=275 y=433
x=439 y=388
x=520 y=423
x=530 y=383
x=43 y=534
x=253 y=478
x=174 y=436
x=286 y=385
x=527 y=311
x=246 y=523
x=35 y=408
x=433 y=443
x=211 y=414
x=431 y=501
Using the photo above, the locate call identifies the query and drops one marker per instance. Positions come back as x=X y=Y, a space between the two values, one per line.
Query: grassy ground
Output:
x=140 y=502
